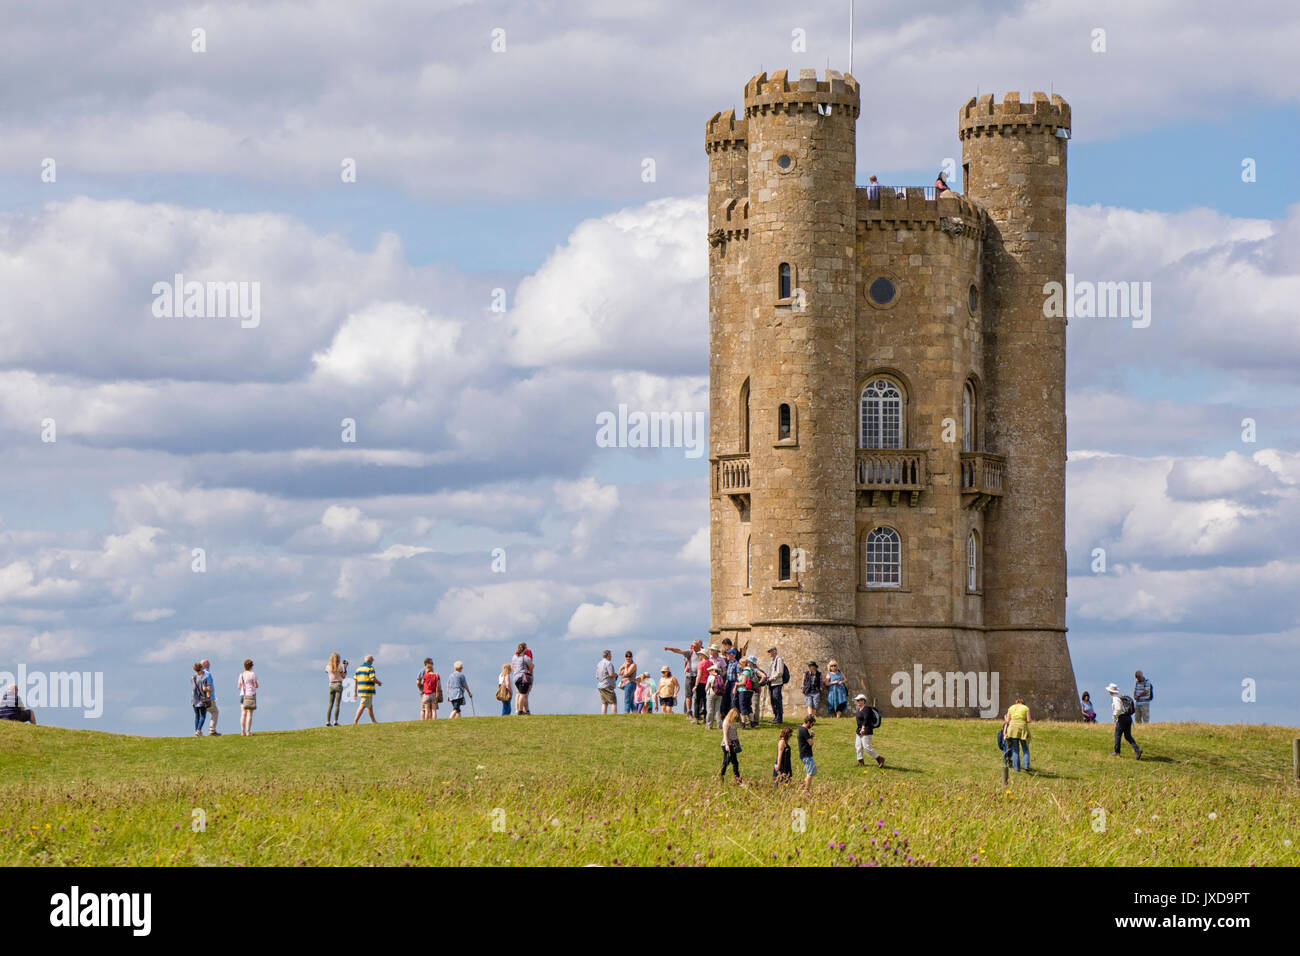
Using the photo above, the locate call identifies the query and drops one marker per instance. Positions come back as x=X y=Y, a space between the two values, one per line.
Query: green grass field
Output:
x=644 y=790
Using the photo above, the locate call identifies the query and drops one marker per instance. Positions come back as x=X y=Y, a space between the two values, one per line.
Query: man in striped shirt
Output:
x=366 y=684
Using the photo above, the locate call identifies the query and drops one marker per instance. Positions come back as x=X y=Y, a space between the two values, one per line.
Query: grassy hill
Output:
x=643 y=790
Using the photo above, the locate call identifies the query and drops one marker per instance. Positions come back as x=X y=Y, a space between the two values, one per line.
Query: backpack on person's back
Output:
x=718 y=683
x=1126 y=708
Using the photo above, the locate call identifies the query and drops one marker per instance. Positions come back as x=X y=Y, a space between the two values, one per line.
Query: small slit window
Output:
x=784 y=283
x=973 y=299
x=972 y=563
x=783 y=426
x=783 y=571
x=749 y=563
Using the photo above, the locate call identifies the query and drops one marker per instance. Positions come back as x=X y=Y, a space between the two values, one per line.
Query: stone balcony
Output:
x=981 y=478
x=731 y=478
x=892 y=472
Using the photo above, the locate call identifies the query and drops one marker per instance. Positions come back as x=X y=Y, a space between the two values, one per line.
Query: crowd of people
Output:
x=721 y=688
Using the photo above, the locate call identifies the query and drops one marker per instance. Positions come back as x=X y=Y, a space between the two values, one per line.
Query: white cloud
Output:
x=603 y=620
x=696 y=551
x=275 y=642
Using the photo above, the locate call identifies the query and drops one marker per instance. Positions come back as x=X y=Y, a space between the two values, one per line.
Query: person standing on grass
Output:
x=503 y=690
x=628 y=681
x=247 y=685
x=1121 y=708
x=642 y=692
x=1017 y=733
x=758 y=679
x=521 y=675
x=806 y=750
x=198 y=697
x=335 y=672
x=11 y=707
x=868 y=720
x=1143 y=694
x=213 y=713
x=745 y=693
x=776 y=677
x=606 y=677
x=457 y=688
x=713 y=698
x=690 y=660
x=366 y=684
x=428 y=683
x=731 y=745
x=837 y=691
x=700 y=699
x=812 y=689
x=781 y=772
x=667 y=690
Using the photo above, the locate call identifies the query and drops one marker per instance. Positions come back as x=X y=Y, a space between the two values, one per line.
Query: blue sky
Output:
x=521 y=170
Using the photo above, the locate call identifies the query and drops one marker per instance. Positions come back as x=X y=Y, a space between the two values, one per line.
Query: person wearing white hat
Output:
x=868 y=720
x=1121 y=708
x=713 y=716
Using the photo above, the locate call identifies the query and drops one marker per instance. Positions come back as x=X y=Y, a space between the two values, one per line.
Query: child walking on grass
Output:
x=731 y=745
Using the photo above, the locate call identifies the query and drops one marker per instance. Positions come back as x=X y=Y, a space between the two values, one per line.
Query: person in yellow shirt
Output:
x=1018 y=733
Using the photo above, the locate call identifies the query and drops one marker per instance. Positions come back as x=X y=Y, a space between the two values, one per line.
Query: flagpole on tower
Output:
x=850 y=36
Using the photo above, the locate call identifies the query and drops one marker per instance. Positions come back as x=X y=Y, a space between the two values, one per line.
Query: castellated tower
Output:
x=882 y=382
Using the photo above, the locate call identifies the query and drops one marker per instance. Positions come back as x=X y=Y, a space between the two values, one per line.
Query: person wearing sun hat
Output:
x=868 y=720
x=667 y=690
x=1121 y=708
x=714 y=696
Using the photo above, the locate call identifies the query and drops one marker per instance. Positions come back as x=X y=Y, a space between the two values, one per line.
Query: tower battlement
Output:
x=1043 y=113
x=778 y=93
x=724 y=131
x=914 y=210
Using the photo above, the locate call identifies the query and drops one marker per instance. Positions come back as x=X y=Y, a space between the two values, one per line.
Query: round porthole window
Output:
x=784 y=161
x=973 y=300
x=882 y=291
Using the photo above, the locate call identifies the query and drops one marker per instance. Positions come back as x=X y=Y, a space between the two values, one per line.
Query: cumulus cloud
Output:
x=603 y=620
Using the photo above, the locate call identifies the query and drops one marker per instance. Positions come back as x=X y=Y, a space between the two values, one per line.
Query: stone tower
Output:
x=882 y=382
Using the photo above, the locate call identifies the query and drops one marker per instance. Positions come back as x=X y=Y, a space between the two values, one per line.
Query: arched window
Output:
x=744 y=418
x=783 y=281
x=784 y=560
x=968 y=418
x=783 y=427
x=749 y=563
x=972 y=563
x=881 y=415
x=884 y=558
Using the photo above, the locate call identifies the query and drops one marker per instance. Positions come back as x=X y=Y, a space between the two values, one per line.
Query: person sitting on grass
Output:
x=1089 y=712
x=11 y=707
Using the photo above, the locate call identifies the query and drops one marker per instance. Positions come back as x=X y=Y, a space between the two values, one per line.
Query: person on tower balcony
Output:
x=941 y=185
x=873 y=188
